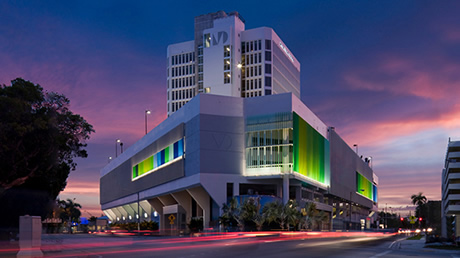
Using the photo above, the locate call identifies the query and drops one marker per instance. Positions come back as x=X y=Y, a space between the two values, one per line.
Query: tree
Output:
x=419 y=200
x=272 y=213
x=70 y=211
x=231 y=214
x=39 y=139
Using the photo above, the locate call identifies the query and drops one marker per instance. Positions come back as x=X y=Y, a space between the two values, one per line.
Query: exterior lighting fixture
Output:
x=124 y=218
x=147 y=112
x=116 y=147
x=228 y=75
x=145 y=215
x=130 y=217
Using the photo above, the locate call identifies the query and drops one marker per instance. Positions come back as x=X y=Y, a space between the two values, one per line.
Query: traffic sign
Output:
x=171 y=219
x=412 y=219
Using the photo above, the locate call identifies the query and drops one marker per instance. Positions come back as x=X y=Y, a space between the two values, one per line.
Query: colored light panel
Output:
x=167 y=155
x=311 y=151
x=365 y=187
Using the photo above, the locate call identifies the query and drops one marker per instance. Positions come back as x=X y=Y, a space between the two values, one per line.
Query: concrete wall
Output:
x=120 y=178
x=344 y=165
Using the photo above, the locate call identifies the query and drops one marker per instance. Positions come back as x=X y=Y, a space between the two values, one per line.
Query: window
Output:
x=268 y=81
x=227 y=51
x=268 y=44
x=172 y=60
x=243 y=49
x=227 y=77
x=260 y=44
x=226 y=64
x=268 y=68
x=268 y=56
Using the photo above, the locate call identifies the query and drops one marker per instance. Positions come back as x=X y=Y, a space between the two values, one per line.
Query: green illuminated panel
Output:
x=365 y=187
x=311 y=151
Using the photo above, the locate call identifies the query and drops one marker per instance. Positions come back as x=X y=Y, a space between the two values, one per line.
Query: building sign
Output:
x=288 y=54
x=214 y=39
x=160 y=159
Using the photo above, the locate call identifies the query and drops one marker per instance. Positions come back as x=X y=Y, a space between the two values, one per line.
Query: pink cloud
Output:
x=402 y=76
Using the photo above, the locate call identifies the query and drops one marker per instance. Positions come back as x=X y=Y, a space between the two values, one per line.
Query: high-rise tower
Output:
x=225 y=59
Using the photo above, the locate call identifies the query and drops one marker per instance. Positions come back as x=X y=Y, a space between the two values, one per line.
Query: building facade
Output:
x=225 y=59
x=451 y=191
x=217 y=147
x=236 y=127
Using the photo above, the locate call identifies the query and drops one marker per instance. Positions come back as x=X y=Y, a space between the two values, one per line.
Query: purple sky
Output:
x=385 y=74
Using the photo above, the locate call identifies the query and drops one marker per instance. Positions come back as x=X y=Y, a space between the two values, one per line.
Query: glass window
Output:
x=226 y=64
x=260 y=44
x=268 y=68
x=268 y=92
x=227 y=51
x=172 y=60
x=260 y=70
x=268 y=44
x=243 y=44
x=252 y=45
x=268 y=81
x=227 y=77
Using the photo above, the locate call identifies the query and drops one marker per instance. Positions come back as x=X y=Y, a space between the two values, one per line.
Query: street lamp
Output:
x=109 y=159
x=356 y=146
x=147 y=112
x=116 y=147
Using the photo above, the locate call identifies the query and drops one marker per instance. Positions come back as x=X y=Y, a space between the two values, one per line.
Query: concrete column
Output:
x=236 y=189
x=203 y=200
x=30 y=236
x=110 y=215
x=117 y=214
x=158 y=207
x=285 y=188
x=123 y=213
x=185 y=200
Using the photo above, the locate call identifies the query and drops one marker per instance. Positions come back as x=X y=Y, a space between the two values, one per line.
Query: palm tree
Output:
x=69 y=211
x=291 y=214
x=419 y=200
x=272 y=212
x=231 y=214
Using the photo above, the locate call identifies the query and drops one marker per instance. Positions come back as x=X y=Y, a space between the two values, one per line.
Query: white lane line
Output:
x=381 y=254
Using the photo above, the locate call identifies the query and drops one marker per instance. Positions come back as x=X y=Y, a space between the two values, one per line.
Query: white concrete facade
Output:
x=451 y=189
x=225 y=59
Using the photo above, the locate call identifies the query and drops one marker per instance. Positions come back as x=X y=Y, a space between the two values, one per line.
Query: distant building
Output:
x=236 y=127
x=451 y=190
x=225 y=59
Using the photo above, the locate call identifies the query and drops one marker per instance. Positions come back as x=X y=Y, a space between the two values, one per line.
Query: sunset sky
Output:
x=385 y=74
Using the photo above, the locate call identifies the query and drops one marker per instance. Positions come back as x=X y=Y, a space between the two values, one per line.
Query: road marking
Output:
x=381 y=254
x=394 y=242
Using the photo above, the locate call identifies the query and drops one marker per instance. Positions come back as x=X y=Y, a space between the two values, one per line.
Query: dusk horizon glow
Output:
x=384 y=74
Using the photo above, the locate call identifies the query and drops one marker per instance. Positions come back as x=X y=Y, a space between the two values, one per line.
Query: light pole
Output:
x=109 y=159
x=356 y=146
x=349 y=225
x=116 y=147
x=147 y=112
x=121 y=147
x=138 y=216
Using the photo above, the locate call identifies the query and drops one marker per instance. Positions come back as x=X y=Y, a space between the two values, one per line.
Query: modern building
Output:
x=451 y=191
x=225 y=59
x=219 y=147
x=236 y=127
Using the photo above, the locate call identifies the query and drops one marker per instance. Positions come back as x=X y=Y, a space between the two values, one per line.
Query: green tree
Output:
x=70 y=212
x=231 y=215
x=272 y=213
x=39 y=139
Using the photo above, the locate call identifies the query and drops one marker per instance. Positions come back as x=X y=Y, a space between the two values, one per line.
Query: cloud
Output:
x=402 y=76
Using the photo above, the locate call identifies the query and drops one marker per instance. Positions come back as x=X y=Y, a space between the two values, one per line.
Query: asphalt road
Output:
x=238 y=246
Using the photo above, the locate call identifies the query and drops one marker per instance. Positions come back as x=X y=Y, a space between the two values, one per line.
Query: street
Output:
x=295 y=244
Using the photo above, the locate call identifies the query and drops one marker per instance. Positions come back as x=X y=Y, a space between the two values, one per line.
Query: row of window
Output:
x=182 y=58
x=182 y=94
x=183 y=82
x=269 y=137
x=272 y=156
x=183 y=70
x=251 y=46
x=255 y=45
x=251 y=94
x=251 y=84
x=177 y=105
x=227 y=64
x=253 y=71
x=250 y=59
